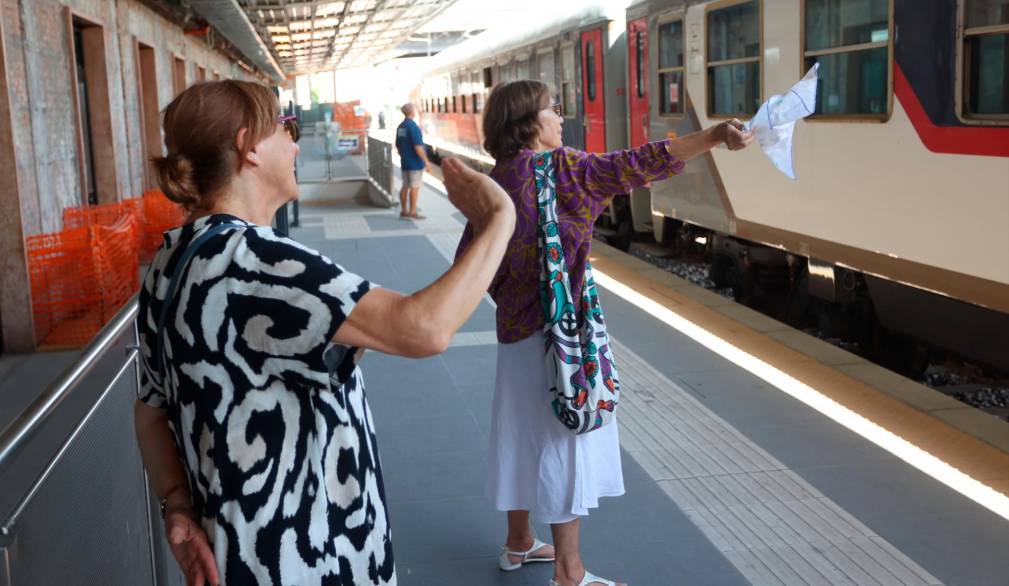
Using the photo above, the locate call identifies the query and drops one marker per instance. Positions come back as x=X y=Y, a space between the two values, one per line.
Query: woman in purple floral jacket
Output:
x=536 y=464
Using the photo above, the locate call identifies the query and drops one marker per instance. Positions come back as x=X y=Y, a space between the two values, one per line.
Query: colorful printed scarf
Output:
x=580 y=366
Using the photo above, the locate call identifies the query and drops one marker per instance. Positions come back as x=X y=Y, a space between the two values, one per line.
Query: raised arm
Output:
x=422 y=324
x=601 y=176
x=606 y=174
x=730 y=133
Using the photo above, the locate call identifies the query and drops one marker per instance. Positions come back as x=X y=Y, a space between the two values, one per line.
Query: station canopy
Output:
x=286 y=38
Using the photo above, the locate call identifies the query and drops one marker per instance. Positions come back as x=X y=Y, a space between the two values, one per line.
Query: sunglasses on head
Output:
x=291 y=126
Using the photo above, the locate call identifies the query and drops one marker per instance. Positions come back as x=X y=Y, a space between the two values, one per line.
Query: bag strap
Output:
x=548 y=236
x=166 y=305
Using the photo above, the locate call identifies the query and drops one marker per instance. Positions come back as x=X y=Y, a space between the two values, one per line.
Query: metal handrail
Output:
x=32 y=418
x=7 y=528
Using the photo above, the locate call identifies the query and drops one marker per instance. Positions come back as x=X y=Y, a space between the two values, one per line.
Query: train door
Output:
x=572 y=132
x=594 y=110
x=637 y=56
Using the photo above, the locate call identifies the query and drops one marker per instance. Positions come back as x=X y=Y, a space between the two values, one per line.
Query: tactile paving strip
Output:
x=771 y=524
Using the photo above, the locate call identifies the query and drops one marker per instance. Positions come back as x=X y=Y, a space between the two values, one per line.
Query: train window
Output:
x=670 y=70
x=488 y=77
x=985 y=67
x=639 y=64
x=671 y=45
x=590 y=70
x=454 y=83
x=545 y=68
x=568 y=94
x=479 y=81
x=734 y=59
x=445 y=106
x=850 y=39
x=522 y=69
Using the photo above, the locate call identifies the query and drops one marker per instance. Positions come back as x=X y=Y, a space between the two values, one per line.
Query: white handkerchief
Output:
x=776 y=118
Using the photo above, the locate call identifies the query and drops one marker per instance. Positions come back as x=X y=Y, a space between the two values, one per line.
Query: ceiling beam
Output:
x=328 y=56
x=336 y=33
x=232 y=21
x=258 y=23
x=360 y=29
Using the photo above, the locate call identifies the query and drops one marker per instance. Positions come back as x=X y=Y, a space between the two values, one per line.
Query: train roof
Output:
x=502 y=40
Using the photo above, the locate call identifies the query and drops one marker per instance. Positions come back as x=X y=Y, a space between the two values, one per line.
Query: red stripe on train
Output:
x=962 y=140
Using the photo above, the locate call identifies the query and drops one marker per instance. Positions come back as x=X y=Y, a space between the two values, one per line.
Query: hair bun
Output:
x=176 y=178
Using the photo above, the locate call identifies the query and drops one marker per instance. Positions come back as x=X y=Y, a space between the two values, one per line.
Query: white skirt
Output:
x=536 y=464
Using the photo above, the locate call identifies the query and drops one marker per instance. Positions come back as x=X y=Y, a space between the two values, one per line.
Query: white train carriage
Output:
x=902 y=197
x=898 y=223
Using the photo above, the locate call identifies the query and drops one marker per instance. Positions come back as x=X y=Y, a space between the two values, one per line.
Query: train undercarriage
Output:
x=898 y=326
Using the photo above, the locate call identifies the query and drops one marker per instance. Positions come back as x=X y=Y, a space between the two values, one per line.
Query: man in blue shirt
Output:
x=413 y=160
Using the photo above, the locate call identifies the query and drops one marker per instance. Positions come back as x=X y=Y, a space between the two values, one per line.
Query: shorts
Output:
x=413 y=179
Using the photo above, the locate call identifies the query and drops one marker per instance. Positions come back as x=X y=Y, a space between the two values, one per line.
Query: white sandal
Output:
x=505 y=563
x=587 y=580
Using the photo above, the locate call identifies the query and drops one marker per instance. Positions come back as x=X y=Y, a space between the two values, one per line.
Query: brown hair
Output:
x=201 y=125
x=510 y=120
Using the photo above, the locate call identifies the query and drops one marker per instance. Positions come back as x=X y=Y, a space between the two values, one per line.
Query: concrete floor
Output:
x=729 y=480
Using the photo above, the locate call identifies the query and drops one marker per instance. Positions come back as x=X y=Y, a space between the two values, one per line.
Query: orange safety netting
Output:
x=80 y=278
x=108 y=215
x=350 y=116
x=159 y=216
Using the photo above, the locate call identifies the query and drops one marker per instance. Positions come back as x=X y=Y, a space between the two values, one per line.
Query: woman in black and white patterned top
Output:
x=252 y=418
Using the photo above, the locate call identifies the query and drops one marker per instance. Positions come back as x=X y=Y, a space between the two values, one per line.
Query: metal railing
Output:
x=332 y=154
x=380 y=166
x=71 y=461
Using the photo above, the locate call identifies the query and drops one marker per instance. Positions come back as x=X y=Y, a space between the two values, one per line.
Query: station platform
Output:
x=729 y=479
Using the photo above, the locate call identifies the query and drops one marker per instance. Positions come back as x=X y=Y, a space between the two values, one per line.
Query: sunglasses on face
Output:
x=291 y=126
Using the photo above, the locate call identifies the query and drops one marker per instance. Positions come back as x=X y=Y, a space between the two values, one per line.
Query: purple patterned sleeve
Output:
x=599 y=177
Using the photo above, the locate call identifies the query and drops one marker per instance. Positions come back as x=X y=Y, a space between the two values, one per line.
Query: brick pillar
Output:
x=15 y=292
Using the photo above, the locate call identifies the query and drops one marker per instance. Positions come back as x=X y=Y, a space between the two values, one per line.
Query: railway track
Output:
x=963 y=381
